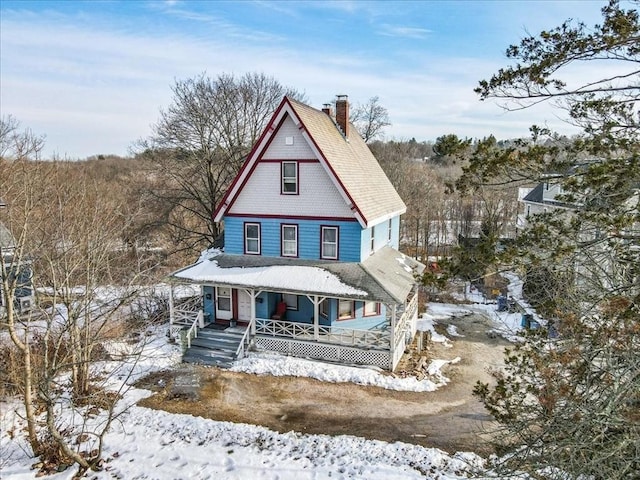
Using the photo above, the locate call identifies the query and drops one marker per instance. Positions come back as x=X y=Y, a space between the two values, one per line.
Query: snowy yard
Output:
x=152 y=444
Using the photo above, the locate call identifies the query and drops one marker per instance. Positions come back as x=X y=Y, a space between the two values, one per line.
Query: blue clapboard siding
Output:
x=381 y=237
x=208 y=302
x=349 y=242
x=360 y=322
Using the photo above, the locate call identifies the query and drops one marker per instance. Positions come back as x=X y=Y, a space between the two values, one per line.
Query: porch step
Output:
x=213 y=347
x=205 y=356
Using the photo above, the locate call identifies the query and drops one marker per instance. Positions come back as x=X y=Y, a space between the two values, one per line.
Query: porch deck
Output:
x=382 y=346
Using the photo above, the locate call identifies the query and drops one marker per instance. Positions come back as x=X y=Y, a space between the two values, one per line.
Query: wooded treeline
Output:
x=155 y=225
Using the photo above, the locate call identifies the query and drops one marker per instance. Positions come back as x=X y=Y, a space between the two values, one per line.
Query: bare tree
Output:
x=17 y=144
x=68 y=229
x=370 y=119
x=200 y=143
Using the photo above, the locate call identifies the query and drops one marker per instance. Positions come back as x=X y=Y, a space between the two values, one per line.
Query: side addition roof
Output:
x=348 y=161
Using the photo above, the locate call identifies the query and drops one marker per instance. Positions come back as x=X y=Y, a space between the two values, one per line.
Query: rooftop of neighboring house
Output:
x=545 y=194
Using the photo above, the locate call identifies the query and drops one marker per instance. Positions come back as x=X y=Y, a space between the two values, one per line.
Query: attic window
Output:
x=288 y=140
x=289 y=178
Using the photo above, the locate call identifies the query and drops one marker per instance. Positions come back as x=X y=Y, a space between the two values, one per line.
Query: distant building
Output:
x=24 y=293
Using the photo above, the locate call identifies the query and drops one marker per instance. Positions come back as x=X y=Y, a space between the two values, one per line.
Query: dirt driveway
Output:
x=448 y=418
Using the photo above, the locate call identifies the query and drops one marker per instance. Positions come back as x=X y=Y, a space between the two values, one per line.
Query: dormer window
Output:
x=289 y=178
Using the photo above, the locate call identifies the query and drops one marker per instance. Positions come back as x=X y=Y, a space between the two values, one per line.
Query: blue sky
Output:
x=93 y=75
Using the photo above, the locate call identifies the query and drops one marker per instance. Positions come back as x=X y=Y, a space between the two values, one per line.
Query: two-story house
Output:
x=311 y=265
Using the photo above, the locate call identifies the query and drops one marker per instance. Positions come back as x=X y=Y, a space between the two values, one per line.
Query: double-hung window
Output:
x=324 y=307
x=289 y=235
x=329 y=243
x=371 y=308
x=373 y=239
x=290 y=300
x=252 y=238
x=345 y=309
x=289 y=178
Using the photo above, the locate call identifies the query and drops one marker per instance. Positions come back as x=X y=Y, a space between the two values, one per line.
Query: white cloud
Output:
x=95 y=88
x=403 y=31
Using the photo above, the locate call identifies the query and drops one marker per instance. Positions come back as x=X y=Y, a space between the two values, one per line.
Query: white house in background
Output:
x=541 y=199
x=595 y=265
x=310 y=265
x=24 y=293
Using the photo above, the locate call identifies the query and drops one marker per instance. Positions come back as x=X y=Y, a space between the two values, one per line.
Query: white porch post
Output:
x=171 y=307
x=316 y=318
x=316 y=300
x=201 y=317
x=254 y=296
x=392 y=346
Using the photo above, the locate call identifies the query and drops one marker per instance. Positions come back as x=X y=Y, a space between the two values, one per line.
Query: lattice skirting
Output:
x=320 y=351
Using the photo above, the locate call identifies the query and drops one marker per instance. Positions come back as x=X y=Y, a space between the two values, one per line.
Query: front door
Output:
x=223 y=303
x=244 y=306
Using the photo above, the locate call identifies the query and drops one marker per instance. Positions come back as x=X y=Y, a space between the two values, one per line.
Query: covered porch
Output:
x=337 y=312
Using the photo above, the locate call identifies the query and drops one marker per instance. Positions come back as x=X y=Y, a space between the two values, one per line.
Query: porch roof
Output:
x=386 y=276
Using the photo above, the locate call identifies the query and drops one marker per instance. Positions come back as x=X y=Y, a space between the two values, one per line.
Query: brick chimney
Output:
x=326 y=108
x=342 y=114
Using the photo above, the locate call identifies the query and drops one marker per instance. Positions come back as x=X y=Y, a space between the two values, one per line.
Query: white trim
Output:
x=322 y=242
x=284 y=226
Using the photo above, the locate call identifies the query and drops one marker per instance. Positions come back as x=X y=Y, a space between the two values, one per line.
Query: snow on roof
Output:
x=278 y=277
x=386 y=276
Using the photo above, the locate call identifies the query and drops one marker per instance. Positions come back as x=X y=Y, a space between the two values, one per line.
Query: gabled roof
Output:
x=386 y=276
x=537 y=196
x=348 y=161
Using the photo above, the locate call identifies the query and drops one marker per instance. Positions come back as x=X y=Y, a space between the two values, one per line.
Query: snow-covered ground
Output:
x=149 y=444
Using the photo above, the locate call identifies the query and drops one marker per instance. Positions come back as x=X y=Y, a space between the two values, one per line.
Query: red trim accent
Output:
x=279 y=160
x=364 y=311
x=255 y=163
x=266 y=131
x=353 y=311
x=337 y=228
x=346 y=192
x=234 y=303
x=293 y=217
x=282 y=225
x=285 y=101
x=244 y=238
x=282 y=192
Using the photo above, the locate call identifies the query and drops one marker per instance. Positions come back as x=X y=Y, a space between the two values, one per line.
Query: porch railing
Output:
x=193 y=330
x=406 y=321
x=405 y=330
x=244 y=343
x=185 y=312
x=379 y=339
